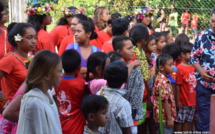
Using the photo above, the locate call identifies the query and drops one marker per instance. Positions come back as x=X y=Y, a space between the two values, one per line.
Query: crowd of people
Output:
x=105 y=74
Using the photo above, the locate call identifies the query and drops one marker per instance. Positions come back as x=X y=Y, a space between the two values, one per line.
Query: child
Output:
x=70 y=92
x=83 y=33
x=40 y=20
x=100 y=18
x=131 y=19
x=194 y=25
x=119 y=27
x=181 y=39
x=160 y=42
x=186 y=93
x=96 y=65
x=95 y=110
x=168 y=37
x=38 y=112
x=115 y=56
x=164 y=103
x=120 y=119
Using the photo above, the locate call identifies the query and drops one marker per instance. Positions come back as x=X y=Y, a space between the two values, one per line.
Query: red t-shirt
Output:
x=15 y=74
x=187 y=80
x=70 y=93
x=97 y=29
x=185 y=18
x=107 y=47
x=194 y=23
x=59 y=32
x=44 y=41
x=102 y=38
x=5 y=46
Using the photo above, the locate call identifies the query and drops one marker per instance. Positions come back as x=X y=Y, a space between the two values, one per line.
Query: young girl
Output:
x=164 y=109
x=13 y=66
x=160 y=42
x=168 y=37
x=144 y=16
x=84 y=31
x=100 y=18
x=131 y=19
x=96 y=65
x=38 y=112
x=40 y=20
x=63 y=27
x=162 y=20
x=71 y=39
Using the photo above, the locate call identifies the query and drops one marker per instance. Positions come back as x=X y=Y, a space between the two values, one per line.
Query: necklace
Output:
x=23 y=62
x=88 y=130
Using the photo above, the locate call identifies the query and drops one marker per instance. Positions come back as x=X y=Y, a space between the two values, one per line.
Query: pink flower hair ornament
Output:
x=42 y=10
x=145 y=12
x=68 y=12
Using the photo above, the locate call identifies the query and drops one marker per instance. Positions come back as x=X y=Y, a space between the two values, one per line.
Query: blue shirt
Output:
x=203 y=52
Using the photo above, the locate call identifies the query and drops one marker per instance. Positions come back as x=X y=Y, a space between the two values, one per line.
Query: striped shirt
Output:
x=119 y=111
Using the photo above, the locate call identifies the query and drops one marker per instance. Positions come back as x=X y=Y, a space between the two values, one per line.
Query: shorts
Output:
x=166 y=129
x=185 y=25
x=185 y=113
x=194 y=31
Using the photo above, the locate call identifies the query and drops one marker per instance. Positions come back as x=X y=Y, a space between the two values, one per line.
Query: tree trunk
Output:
x=16 y=11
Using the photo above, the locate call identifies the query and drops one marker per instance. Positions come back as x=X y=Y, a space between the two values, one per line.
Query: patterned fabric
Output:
x=162 y=83
x=134 y=93
x=3 y=100
x=6 y=126
x=186 y=113
x=119 y=111
x=204 y=53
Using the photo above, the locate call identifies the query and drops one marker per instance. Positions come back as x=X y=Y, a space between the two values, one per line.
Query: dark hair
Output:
x=16 y=28
x=150 y=38
x=119 y=26
x=92 y=104
x=157 y=36
x=81 y=17
x=63 y=20
x=118 y=42
x=71 y=60
x=43 y=63
x=165 y=33
x=89 y=27
x=186 y=47
x=181 y=39
x=37 y=20
x=137 y=33
x=115 y=16
x=116 y=73
x=213 y=11
x=1 y=9
x=129 y=18
x=115 y=56
x=97 y=59
x=172 y=49
x=162 y=59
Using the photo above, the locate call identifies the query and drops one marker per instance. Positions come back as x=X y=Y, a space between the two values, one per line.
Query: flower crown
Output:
x=66 y=11
x=42 y=10
x=144 y=12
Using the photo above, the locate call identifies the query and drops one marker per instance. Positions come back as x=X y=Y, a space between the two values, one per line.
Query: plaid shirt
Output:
x=204 y=53
x=119 y=110
x=162 y=83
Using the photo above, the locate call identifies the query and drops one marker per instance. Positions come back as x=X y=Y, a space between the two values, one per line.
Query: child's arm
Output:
x=177 y=100
x=133 y=65
x=166 y=107
x=126 y=130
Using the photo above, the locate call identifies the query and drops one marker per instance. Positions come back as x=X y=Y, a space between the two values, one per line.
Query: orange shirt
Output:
x=44 y=41
x=15 y=74
x=187 y=80
x=59 y=32
x=70 y=93
x=102 y=38
x=107 y=47
x=97 y=29
x=194 y=23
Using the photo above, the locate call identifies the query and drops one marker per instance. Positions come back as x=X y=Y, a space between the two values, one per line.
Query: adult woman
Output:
x=38 y=112
x=39 y=17
x=162 y=20
x=185 y=18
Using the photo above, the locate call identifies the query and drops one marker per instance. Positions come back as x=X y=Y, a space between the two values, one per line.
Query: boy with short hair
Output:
x=186 y=93
x=70 y=92
x=120 y=119
x=95 y=110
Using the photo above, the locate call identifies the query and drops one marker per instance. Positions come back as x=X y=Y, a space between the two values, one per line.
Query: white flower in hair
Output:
x=18 y=37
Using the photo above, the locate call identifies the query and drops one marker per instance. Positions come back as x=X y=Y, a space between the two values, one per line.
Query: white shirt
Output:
x=37 y=115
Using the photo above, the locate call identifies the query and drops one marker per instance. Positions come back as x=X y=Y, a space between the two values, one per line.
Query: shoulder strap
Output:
x=75 y=46
x=94 y=48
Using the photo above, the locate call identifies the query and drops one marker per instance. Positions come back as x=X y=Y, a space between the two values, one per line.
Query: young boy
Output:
x=194 y=25
x=70 y=92
x=120 y=119
x=95 y=110
x=186 y=93
x=163 y=95
x=119 y=27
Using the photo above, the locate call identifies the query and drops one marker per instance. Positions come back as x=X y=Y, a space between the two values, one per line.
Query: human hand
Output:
x=136 y=63
x=206 y=77
x=178 y=105
x=170 y=123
